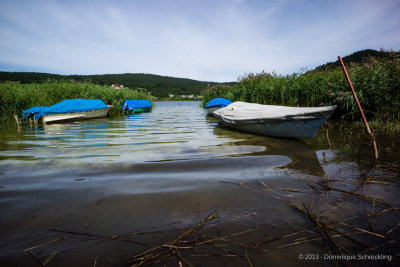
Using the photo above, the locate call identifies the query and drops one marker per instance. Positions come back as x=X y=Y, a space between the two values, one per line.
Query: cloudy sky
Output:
x=209 y=40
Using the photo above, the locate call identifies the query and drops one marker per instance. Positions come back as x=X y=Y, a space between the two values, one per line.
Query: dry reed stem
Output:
x=143 y=233
x=381 y=245
x=45 y=262
x=35 y=258
x=254 y=189
x=321 y=229
x=94 y=236
x=49 y=258
x=373 y=213
x=293 y=244
x=173 y=245
x=327 y=225
x=363 y=230
x=229 y=220
x=307 y=239
x=292 y=190
x=354 y=194
x=256 y=245
x=266 y=187
x=313 y=187
x=391 y=230
x=46 y=243
x=214 y=255
x=223 y=249
x=370 y=182
x=224 y=238
x=247 y=257
x=178 y=254
x=331 y=209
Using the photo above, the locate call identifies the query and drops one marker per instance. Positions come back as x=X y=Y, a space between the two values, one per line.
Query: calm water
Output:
x=163 y=170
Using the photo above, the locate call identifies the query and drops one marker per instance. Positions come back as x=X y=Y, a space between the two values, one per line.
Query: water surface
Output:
x=160 y=170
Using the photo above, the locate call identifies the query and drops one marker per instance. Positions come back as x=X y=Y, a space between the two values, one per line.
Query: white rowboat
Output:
x=274 y=120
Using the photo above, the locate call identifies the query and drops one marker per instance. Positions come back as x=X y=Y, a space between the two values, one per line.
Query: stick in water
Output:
x=371 y=135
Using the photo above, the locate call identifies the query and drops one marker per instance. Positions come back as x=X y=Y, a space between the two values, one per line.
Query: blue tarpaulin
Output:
x=218 y=102
x=65 y=106
x=133 y=104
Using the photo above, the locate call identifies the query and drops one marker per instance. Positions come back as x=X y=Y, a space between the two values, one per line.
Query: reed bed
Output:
x=15 y=97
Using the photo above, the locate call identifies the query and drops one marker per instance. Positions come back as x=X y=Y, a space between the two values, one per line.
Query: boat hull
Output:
x=82 y=115
x=211 y=110
x=296 y=129
x=138 y=110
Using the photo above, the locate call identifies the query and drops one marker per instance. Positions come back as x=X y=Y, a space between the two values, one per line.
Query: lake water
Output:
x=147 y=177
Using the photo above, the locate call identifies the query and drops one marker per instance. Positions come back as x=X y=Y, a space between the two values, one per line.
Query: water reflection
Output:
x=303 y=156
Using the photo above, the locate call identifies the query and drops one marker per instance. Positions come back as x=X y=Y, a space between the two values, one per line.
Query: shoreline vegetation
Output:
x=376 y=81
x=15 y=97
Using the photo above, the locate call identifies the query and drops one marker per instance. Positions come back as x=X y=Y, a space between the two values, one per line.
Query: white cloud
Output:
x=194 y=39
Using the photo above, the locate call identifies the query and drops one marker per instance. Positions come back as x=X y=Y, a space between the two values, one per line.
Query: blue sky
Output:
x=209 y=40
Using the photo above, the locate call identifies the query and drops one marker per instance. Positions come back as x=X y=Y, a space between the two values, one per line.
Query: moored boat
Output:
x=216 y=103
x=136 y=106
x=274 y=120
x=69 y=109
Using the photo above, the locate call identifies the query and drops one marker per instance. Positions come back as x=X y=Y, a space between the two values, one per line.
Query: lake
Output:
x=120 y=190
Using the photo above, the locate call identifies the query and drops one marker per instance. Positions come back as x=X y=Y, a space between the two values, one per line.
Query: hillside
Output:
x=359 y=57
x=159 y=86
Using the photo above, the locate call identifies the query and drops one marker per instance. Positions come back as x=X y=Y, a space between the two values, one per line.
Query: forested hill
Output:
x=359 y=57
x=159 y=86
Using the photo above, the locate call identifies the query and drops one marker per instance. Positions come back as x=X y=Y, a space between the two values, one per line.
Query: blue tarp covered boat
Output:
x=134 y=106
x=216 y=104
x=69 y=109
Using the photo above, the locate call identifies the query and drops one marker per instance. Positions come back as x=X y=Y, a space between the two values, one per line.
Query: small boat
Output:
x=136 y=106
x=216 y=104
x=274 y=120
x=69 y=109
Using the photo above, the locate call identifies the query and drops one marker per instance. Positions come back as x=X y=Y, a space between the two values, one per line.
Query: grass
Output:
x=16 y=97
x=377 y=83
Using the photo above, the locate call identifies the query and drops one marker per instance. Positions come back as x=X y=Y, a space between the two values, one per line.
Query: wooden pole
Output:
x=371 y=135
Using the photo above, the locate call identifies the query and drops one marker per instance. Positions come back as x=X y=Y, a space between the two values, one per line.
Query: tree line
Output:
x=158 y=86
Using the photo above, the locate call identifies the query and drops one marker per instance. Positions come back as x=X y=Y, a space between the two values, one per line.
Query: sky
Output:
x=207 y=40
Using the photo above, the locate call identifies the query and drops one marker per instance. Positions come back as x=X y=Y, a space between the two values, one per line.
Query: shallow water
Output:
x=162 y=171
